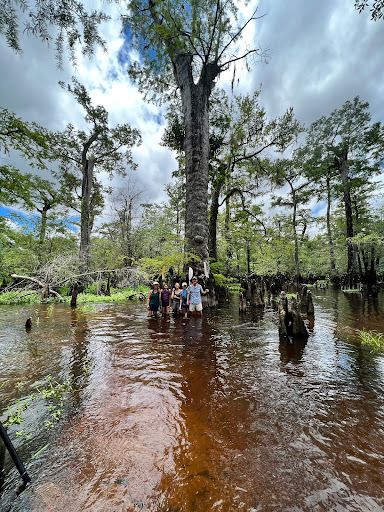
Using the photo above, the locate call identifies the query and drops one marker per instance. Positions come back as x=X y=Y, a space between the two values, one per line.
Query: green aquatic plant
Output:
x=16 y=417
x=86 y=307
x=85 y=363
x=372 y=339
x=22 y=434
x=29 y=297
x=41 y=449
x=53 y=392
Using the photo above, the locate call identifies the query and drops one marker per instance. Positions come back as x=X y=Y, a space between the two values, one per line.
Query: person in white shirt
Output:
x=195 y=291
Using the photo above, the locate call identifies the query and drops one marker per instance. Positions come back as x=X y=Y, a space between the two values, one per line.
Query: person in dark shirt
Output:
x=165 y=300
x=153 y=302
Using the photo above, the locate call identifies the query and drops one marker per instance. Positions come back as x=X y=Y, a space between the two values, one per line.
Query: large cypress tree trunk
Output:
x=194 y=99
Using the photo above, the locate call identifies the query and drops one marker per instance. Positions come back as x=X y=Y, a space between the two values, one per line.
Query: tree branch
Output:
x=42 y=285
x=238 y=34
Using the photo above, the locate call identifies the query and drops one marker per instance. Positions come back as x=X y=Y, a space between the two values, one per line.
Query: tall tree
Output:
x=289 y=172
x=125 y=206
x=185 y=46
x=346 y=142
x=239 y=135
x=101 y=148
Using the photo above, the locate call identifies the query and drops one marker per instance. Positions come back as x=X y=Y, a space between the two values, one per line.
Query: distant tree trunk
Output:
x=294 y=225
x=43 y=227
x=372 y=270
x=329 y=231
x=248 y=257
x=108 y=290
x=343 y=168
x=86 y=216
x=129 y=233
x=227 y=222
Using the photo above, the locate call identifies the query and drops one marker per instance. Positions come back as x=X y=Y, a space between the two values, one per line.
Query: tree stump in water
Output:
x=290 y=322
x=222 y=293
x=310 y=307
x=305 y=298
x=254 y=290
x=242 y=303
x=45 y=292
x=108 y=290
x=75 y=291
x=274 y=284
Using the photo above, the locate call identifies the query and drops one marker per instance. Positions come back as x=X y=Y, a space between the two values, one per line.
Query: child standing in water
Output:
x=153 y=302
x=176 y=299
x=165 y=300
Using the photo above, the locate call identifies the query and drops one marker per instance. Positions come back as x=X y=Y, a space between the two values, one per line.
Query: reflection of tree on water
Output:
x=80 y=365
x=212 y=433
x=291 y=353
x=193 y=468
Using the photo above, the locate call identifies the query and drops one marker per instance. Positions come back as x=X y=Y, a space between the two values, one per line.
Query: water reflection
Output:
x=291 y=354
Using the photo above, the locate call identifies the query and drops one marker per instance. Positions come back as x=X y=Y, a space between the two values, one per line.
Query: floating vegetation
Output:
x=53 y=393
x=372 y=339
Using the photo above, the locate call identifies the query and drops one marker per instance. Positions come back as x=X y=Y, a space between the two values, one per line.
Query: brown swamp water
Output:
x=210 y=414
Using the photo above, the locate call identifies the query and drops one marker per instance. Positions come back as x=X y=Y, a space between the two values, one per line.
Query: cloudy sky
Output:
x=321 y=53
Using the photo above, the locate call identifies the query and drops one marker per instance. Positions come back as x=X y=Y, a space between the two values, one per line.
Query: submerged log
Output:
x=291 y=323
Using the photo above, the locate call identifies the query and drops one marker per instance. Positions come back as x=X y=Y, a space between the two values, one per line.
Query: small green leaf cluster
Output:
x=54 y=393
x=372 y=340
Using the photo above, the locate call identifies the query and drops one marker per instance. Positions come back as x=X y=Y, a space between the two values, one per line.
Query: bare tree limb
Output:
x=42 y=285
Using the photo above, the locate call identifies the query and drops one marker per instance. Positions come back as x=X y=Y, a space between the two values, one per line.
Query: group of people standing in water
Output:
x=184 y=300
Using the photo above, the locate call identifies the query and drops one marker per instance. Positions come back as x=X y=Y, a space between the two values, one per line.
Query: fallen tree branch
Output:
x=42 y=285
